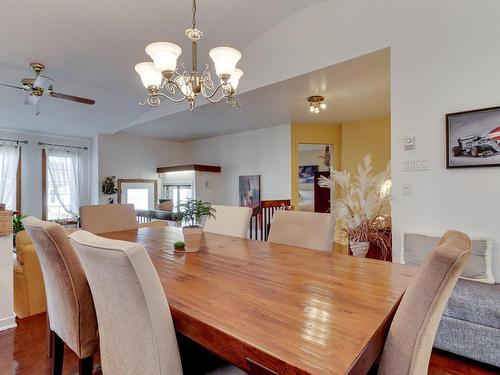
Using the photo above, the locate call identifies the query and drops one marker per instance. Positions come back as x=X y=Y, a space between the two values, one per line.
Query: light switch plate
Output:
x=415 y=165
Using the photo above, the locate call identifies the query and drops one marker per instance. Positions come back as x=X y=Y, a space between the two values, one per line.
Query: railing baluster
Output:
x=263 y=216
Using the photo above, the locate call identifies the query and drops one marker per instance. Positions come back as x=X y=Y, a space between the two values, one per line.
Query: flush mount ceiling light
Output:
x=162 y=79
x=316 y=103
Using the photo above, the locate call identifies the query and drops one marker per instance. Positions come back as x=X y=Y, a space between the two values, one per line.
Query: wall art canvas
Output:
x=249 y=191
x=473 y=138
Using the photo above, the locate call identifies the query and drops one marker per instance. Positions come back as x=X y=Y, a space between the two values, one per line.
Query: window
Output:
x=177 y=193
x=62 y=181
x=141 y=193
x=10 y=176
x=139 y=198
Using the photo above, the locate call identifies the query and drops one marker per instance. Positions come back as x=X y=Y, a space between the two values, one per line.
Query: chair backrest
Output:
x=166 y=206
x=310 y=230
x=136 y=331
x=69 y=300
x=409 y=344
x=105 y=218
x=229 y=221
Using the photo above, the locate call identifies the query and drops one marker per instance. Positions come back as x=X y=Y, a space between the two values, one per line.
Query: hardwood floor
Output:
x=23 y=351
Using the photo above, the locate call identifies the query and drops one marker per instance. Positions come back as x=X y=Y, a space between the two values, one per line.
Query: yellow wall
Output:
x=328 y=134
x=351 y=141
x=372 y=136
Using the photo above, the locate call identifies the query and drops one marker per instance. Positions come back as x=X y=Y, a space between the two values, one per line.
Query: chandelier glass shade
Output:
x=316 y=103
x=163 y=80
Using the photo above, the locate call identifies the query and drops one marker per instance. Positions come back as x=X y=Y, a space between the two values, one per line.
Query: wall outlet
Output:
x=406 y=189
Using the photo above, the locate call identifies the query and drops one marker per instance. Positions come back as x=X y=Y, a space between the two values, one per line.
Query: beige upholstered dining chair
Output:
x=229 y=221
x=409 y=344
x=138 y=339
x=106 y=218
x=71 y=313
x=309 y=230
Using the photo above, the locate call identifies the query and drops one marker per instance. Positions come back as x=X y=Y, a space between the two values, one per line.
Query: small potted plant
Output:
x=17 y=226
x=109 y=188
x=191 y=214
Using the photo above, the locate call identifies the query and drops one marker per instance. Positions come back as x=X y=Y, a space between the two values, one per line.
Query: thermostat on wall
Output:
x=409 y=142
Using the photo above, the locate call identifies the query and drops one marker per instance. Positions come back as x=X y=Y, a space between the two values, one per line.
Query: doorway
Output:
x=314 y=162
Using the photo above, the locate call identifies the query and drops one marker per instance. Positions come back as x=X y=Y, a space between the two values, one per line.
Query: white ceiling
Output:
x=90 y=49
x=355 y=89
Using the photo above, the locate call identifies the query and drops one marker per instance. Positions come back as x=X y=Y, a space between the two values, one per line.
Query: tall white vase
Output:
x=359 y=249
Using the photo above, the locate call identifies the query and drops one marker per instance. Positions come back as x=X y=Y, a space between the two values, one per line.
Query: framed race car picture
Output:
x=473 y=138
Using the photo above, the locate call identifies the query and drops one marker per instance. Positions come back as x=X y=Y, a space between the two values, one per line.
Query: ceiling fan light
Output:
x=235 y=78
x=150 y=76
x=164 y=55
x=225 y=60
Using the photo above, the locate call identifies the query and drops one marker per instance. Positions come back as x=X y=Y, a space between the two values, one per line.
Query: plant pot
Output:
x=192 y=238
x=359 y=249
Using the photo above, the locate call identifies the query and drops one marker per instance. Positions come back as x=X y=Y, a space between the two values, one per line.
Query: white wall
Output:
x=31 y=176
x=265 y=152
x=444 y=58
x=130 y=156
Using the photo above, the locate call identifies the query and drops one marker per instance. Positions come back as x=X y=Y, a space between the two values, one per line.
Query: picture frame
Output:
x=473 y=138
x=249 y=191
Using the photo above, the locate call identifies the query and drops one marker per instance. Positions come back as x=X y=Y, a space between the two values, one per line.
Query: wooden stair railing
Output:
x=260 y=222
x=262 y=217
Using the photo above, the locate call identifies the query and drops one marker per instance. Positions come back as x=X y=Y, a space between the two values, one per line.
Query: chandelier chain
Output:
x=194 y=14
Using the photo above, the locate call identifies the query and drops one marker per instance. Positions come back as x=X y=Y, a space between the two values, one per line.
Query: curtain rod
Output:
x=13 y=140
x=56 y=145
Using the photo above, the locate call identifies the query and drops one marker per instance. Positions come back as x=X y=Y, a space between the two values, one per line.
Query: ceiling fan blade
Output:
x=14 y=87
x=43 y=82
x=32 y=99
x=72 y=98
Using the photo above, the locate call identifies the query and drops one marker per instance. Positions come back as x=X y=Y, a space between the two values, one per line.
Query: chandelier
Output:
x=162 y=79
x=316 y=103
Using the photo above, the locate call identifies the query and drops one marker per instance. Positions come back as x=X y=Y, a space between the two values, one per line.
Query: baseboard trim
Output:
x=8 y=323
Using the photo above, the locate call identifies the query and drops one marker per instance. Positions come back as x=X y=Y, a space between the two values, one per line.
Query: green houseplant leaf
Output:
x=17 y=223
x=192 y=212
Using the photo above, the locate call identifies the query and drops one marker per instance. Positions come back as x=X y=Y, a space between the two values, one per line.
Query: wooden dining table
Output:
x=275 y=309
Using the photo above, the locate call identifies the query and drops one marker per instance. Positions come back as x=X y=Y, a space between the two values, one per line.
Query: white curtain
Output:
x=64 y=168
x=9 y=157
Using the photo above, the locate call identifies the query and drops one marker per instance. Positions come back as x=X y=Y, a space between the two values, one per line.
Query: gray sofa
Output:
x=470 y=325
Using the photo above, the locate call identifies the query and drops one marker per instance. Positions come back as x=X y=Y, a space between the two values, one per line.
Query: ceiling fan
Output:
x=40 y=85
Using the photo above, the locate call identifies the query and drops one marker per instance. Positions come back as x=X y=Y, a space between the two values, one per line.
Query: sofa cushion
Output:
x=475 y=302
x=469 y=340
x=478 y=267
x=22 y=239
